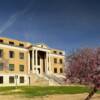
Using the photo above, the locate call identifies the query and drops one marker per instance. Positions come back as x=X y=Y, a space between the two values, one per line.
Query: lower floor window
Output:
x=21 y=79
x=55 y=70
x=11 y=79
x=1 y=79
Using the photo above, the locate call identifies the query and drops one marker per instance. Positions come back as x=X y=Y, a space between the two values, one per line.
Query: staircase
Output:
x=46 y=79
x=36 y=80
x=55 y=80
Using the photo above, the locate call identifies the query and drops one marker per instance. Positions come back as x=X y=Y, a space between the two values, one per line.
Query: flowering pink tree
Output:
x=84 y=68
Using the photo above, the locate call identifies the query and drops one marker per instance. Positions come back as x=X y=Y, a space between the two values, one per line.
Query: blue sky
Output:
x=62 y=24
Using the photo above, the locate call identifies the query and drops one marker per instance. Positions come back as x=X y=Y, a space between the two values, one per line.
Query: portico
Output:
x=40 y=63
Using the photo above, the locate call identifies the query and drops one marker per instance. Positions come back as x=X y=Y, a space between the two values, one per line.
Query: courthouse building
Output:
x=21 y=62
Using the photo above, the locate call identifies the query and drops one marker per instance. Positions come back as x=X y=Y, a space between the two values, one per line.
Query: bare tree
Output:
x=84 y=68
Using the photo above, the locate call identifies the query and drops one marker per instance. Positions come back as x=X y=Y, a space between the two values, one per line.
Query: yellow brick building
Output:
x=21 y=61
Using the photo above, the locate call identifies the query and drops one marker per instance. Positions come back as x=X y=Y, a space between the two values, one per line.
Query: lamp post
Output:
x=29 y=80
x=16 y=77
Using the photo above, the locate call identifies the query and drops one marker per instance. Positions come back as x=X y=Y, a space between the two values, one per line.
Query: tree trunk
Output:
x=91 y=93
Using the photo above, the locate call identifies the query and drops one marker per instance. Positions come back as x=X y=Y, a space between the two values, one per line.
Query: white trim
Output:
x=13 y=47
x=41 y=49
x=6 y=79
x=56 y=55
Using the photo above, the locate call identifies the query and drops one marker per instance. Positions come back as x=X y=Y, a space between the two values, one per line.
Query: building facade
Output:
x=21 y=61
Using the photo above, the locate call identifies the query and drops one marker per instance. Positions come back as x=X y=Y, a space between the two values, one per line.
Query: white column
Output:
x=28 y=63
x=47 y=62
x=50 y=70
x=36 y=62
x=33 y=61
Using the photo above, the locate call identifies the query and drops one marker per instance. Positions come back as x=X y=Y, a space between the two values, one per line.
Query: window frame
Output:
x=55 y=60
x=61 y=53
x=20 y=69
x=61 y=61
x=11 y=43
x=1 y=40
x=11 y=69
x=22 y=81
x=12 y=81
x=55 y=52
x=11 y=54
x=1 y=80
x=1 y=68
x=1 y=53
x=55 y=70
x=61 y=70
x=21 y=56
x=21 y=44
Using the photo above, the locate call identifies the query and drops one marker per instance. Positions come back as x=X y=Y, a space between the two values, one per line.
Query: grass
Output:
x=43 y=91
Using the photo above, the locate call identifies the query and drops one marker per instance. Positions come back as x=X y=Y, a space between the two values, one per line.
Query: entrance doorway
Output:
x=41 y=55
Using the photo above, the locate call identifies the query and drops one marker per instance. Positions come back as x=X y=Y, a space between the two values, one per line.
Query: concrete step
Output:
x=36 y=80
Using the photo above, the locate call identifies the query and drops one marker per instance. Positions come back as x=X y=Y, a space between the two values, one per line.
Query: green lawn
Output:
x=42 y=91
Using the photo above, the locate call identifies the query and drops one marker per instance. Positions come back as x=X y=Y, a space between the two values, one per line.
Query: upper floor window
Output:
x=60 y=53
x=11 y=67
x=60 y=61
x=11 y=54
x=55 y=52
x=21 y=67
x=11 y=43
x=55 y=60
x=1 y=66
x=1 y=53
x=21 y=55
x=55 y=70
x=21 y=45
x=1 y=41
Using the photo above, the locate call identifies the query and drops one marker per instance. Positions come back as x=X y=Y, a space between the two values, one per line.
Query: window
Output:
x=21 y=79
x=1 y=41
x=1 y=66
x=21 y=67
x=21 y=55
x=11 y=79
x=61 y=70
x=11 y=43
x=55 y=70
x=11 y=67
x=21 y=45
x=55 y=52
x=55 y=60
x=60 y=61
x=60 y=53
x=11 y=54
x=1 y=53
x=1 y=79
